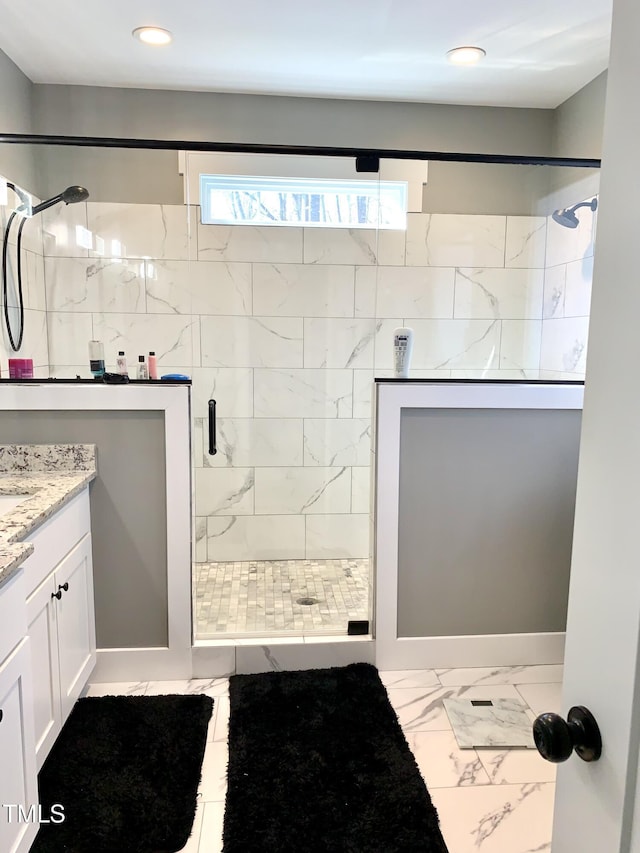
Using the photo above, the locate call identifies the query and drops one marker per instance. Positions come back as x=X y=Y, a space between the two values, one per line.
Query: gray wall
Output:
x=206 y=116
x=16 y=93
x=128 y=515
x=487 y=499
x=574 y=129
x=149 y=177
x=579 y=121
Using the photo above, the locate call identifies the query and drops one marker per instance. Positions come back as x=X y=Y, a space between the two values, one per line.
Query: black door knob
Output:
x=556 y=739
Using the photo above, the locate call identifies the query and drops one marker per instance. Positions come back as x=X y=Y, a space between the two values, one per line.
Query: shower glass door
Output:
x=289 y=248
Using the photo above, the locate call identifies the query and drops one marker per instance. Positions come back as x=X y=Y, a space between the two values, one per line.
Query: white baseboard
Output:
x=456 y=652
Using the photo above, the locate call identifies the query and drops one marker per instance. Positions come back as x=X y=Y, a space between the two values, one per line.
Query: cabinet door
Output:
x=42 y=622
x=76 y=623
x=18 y=781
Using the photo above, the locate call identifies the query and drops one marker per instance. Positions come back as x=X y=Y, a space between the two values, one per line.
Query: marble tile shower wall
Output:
x=567 y=297
x=35 y=344
x=286 y=328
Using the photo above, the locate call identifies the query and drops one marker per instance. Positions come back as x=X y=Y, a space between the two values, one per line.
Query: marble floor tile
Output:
x=492 y=801
x=443 y=764
x=546 y=673
x=410 y=678
x=516 y=766
x=542 y=698
x=213 y=785
x=221 y=729
x=496 y=818
x=422 y=709
x=212 y=826
x=120 y=688
x=503 y=723
x=193 y=844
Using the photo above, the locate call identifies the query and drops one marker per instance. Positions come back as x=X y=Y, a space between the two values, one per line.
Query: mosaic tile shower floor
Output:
x=262 y=596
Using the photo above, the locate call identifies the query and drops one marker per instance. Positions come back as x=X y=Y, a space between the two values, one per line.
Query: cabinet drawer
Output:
x=54 y=539
x=13 y=614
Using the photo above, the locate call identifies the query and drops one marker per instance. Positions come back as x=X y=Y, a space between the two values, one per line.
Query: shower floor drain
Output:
x=307 y=600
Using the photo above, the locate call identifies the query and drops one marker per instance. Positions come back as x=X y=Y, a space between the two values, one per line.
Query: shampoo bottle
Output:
x=143 y=372
x=96 y=359
x=153 y=366
x=121 y=361
x=402 y=350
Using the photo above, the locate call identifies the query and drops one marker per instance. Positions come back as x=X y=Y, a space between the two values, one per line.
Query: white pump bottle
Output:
x=402 y=351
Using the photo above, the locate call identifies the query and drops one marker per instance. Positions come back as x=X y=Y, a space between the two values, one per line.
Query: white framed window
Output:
x=325 y=203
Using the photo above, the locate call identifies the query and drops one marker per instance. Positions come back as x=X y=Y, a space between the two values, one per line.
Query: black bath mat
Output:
x=126 y=771
x=318 y=762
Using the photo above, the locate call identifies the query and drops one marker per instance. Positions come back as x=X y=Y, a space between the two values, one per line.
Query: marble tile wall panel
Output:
x=448 y=344
x=255 y=243
x=283 y=328
x=353 y=246
x=251 y=341
x=571 y=244
x=158 y=231
x=174 y=339
x=337 y=441
x=363 y=393
x=230 y=387
x=577 y=297
x=360 y=489
x=320 y=393
x=69 y=336
x=564 y=345
x=257 y=442
x=203 y=287
x=406 y=291
x=225 y=491
x=337 y=536
x=94 y=285
x=339 y=343
x=554 y=290
x=299 y=290
x=34 y=281
x=256 y=537
x=34 y=343
x=65 y=231
x=499 y=293
x=520 y=344
x=526 y=240
x=302 y=491
x=455 y=240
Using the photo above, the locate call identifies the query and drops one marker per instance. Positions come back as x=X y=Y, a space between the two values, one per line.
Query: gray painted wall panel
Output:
x=487 y=500
x=128 y=514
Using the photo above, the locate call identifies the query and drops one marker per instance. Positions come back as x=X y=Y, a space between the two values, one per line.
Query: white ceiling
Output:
x=539 y=52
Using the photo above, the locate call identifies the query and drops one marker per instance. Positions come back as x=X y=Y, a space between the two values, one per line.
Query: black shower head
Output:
x=71 y=195
x=567 y=216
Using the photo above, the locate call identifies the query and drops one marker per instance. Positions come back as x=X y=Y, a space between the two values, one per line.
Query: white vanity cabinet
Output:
x=18 y=779
x=60 y=617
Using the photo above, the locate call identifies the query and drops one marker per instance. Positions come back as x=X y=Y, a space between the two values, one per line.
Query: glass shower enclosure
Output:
x=275 y=281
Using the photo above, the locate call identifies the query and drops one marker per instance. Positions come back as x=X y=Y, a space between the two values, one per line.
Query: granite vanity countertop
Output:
x=51 y=475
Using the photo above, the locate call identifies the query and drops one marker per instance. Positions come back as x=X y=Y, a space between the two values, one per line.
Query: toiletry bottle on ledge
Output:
x=402 y=350
x=143 y=372
x=121 y=361
x=96 y=359
x=153 y=366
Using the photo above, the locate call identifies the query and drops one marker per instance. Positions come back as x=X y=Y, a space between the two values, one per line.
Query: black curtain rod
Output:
x=298 y=150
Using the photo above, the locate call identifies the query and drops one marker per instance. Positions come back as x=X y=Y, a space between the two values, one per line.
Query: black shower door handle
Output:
x=212 y=428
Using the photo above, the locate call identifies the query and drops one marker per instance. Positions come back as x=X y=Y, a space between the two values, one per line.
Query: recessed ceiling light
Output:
x=152 y=35
x=466 y=55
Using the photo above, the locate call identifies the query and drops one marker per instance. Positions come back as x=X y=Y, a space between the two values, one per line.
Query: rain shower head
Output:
x=71 y=195
x=567 y=216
